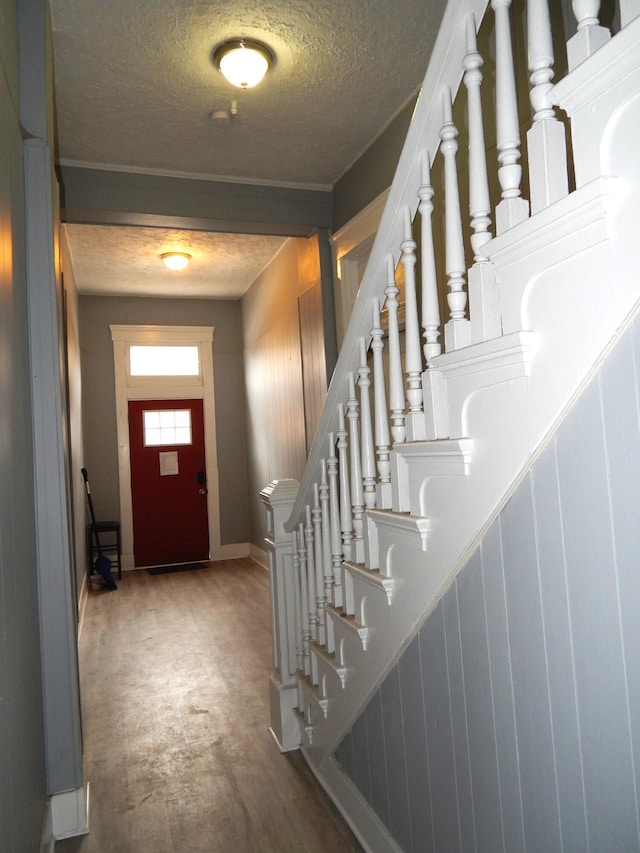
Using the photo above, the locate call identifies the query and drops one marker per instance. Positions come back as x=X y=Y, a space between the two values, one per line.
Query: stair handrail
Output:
x=445 y=69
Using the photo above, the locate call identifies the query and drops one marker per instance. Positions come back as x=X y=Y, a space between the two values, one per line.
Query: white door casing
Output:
x=166 y=387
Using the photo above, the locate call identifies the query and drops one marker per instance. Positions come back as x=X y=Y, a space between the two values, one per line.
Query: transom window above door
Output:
x=153 y=360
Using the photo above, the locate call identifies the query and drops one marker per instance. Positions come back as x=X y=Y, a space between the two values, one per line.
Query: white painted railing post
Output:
x=325 y=520
x=355 y=477
x=295 y=566
x=457 y=331
x=381 y=415
x=313 y=581
x=430 y=302
x=310 y=582
x=484 y=302
x=278 y=499
x=414 y=418
x=304 y=603
x=334 y=522
x=366 y=431
x=346 y=519
x=316 y=515
x=512 y=209
x=396 y=384
x=590 y=36
x=546 y=143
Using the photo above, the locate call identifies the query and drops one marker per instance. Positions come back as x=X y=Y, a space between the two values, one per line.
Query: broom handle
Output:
x=85 y=477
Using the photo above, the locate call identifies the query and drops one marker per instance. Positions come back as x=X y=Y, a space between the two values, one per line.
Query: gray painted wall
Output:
x=22 y=757
x=512 y=720
x=97 y=313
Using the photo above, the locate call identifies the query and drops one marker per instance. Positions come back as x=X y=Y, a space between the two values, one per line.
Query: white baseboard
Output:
x=259 y=556
x=358 y=814
x=231 y=552
x=69 y=813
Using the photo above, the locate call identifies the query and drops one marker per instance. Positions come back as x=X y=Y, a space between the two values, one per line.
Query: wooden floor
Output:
x=174 y=680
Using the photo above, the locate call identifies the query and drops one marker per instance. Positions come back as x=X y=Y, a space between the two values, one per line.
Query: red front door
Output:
x=168 y=482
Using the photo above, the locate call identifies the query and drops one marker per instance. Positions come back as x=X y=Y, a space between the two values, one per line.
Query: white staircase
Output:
x=406 y=473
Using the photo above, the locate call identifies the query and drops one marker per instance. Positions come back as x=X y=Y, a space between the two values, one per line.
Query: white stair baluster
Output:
x=484 y=305
x=414 y=419
x=381 y=415
x=513 y=208
x=304 y=601
x=297 y=589
x=396 y=383
x=479 y=201
x=334 y=521
x=546 y=143
x=346 y=519
x=327 y=566
x=357 y=492
x=430 y=301
x=366 y=431
x=457 y=330
x=306 y=531
x=316 y=515
x=590 y=36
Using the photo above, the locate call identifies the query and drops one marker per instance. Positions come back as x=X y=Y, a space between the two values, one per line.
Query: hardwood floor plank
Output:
x=174 y=680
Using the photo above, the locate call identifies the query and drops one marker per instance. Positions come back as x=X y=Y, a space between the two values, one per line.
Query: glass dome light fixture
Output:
x=176 y=260
x=243 y=62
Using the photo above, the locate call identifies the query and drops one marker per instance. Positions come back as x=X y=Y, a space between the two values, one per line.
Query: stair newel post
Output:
x=396 y=382
x=381 y=415
x=484 y=306
x=414 y=418
x=295 y=566
x=316 y=515
x=309 y=581
x=456 y=331
x=304 y=602
x=334 y=521
x=590 y=36
x=355 y=469
x=512 y=209
x=346 y=519
x=366 y=431
x=327 y=565
x=546 y=143
x=278 y=499
x=430 y=301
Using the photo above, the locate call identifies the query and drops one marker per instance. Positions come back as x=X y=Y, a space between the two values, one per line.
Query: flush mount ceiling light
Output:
x=243 y=62
x=176 y=260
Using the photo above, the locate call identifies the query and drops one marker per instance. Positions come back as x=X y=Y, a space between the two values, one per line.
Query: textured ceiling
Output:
x=125 y=261
x=135 y=85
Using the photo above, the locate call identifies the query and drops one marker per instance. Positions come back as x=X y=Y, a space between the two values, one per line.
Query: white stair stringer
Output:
x=569 y=280
x=418 y=462
x=361 y=637
x=357 y=578
x=508 y=417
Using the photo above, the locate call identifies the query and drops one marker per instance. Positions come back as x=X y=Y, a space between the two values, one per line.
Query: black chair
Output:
x=110 y=544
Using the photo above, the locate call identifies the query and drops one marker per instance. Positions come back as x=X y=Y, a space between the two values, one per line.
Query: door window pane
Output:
x=167 y=427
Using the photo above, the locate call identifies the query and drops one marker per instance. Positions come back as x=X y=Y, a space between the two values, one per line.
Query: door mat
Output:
x=183 y=567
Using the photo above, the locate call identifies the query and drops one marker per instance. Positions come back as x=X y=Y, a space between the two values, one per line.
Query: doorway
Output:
x=176 y=387
x=168 y=482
